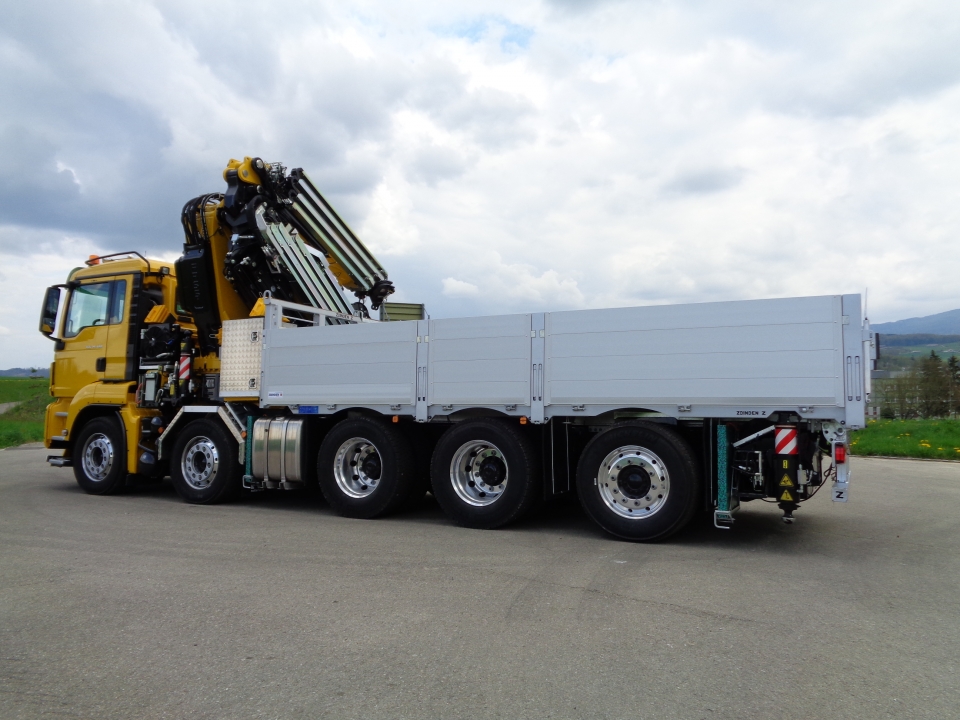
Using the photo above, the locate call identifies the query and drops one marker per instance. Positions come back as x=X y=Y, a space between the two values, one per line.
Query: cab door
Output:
x=96 y=310
x=118 y=350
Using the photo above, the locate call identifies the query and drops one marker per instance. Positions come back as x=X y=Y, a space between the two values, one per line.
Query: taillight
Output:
x=839 y=454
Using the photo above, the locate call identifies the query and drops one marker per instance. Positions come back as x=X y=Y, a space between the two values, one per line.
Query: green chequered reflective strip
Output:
x=723 y=482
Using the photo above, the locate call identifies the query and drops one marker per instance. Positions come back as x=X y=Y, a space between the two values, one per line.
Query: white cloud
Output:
x=548 y=155
x=388 y=227
x=458 y=288
x=509 y=287
x=31 y=261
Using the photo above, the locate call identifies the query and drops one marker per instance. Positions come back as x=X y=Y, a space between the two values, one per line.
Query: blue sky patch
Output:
x=514 y=37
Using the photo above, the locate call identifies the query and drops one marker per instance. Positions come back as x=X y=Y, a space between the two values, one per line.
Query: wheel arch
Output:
x=476 y=413
x=90 y=412
x=183 y=420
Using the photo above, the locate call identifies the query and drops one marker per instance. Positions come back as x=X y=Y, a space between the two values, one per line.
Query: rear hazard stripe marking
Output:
x=786 y=441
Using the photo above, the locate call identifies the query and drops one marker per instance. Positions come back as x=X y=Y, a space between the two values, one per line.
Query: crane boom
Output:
x=272 y=231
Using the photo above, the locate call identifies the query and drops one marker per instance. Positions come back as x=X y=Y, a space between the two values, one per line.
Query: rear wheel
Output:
x=365 y=468
x=204 y=466
x=638 y=482
x=484 y=473
x=99 y=460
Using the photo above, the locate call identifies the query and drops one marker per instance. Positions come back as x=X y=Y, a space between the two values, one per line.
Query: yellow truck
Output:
x=246 y=365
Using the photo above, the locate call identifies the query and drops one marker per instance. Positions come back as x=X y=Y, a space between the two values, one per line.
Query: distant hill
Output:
x=914 y=339
x=945 y=323
x=25 y=372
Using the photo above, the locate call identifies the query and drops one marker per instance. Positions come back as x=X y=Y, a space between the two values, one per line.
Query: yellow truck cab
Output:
x=96 y=319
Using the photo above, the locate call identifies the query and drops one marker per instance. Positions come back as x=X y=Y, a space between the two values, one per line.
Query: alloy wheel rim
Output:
x=633 y=482
x=98 y=457
x=358 y=468
x=479 y=473
x=200 y=463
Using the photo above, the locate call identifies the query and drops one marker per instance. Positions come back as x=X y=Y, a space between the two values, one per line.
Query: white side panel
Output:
x=423 y=367
x=776 y=353
x=710 y=360
x=856 y=366
x=537 y=333
x=480 y=361
x=343 y=365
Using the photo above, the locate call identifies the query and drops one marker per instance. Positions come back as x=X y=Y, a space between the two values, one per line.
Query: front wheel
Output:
x=99 y=460
x=638 y=482
x=203 y=465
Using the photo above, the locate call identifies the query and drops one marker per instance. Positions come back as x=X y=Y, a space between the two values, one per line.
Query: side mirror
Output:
x=48 y=315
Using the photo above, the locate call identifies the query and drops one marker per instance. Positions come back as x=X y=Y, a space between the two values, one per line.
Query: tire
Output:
x=100 y=457
x=365 y=468
x=485 y=473
x=639 y=481
x=204 y=466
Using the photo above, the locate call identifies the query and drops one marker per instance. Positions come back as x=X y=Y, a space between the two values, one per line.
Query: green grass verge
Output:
x=936 y=439
x=17 y=433
x=13 y=389
x=24 y=423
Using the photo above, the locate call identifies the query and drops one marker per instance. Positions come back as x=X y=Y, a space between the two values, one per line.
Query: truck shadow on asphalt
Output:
x=756 y=527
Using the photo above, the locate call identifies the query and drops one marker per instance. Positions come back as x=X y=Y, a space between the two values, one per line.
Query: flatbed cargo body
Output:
x=740 y=359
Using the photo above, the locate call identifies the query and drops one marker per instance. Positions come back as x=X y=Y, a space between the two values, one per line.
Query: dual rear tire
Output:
x=637 y=481
x=366 y=468
x=483 y=473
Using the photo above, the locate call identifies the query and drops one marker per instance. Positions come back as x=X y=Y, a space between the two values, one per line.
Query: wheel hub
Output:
x=479 y=473
x=371 y=466
x=357 y=467
x=98 y=457
x=492 y=470
x=633 y=482
x=200 y=463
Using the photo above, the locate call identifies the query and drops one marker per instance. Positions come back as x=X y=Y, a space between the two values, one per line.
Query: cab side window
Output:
x=118 y=298
x=95 y=304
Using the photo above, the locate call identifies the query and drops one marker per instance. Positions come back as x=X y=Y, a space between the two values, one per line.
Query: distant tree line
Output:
x=930 y=390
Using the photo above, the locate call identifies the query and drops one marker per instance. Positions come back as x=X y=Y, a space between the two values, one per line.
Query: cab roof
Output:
x=125 y=262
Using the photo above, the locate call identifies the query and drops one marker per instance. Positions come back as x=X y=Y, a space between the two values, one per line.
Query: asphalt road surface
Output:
x=139 y=606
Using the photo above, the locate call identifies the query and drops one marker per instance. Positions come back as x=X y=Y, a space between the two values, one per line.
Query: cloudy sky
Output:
x=502 y=156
